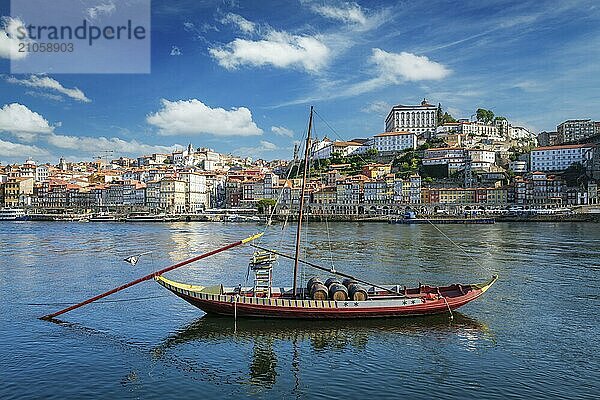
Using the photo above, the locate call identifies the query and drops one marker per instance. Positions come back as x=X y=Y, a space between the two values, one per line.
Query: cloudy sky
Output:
x=239 y=76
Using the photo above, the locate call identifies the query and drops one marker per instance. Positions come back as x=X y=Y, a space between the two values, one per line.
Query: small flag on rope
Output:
x=133 y=260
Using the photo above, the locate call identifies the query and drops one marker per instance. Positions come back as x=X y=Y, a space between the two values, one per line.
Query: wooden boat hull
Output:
x=452 y=297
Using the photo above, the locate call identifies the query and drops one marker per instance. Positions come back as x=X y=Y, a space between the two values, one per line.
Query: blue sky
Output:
x=239 y=76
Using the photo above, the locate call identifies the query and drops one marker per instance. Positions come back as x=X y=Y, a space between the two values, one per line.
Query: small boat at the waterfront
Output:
x=13 y=214
x=241 y=218
x=103 y=217
x=332 y=299
x=145 y=217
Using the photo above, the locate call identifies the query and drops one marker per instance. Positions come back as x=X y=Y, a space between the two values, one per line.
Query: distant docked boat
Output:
x=12 y=214
x=411 y=218
x=103 y=217
x=241 y=218
x=143 y=217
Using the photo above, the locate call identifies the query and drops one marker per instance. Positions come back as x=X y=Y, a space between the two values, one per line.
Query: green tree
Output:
x=265 y=205
x=485 y=116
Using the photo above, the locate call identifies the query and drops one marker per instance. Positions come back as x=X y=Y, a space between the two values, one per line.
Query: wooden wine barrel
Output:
x=338 y=292
x=318 y=291
x=347 y=282
x=311 y=282
x=330 y=281
x=357 y=292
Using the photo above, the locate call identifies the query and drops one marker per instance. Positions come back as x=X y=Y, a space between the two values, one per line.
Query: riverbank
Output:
x=576 y=217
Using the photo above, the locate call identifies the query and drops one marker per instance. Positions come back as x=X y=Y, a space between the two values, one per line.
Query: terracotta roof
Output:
x=445 y=148
x=340 y=144
x=393 y=134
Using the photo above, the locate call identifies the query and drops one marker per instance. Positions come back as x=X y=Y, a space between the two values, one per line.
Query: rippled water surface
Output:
x=535 y=334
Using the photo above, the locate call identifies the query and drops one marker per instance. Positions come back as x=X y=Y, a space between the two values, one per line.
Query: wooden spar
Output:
x=152 y=275
x=310 y=264
x=300 y=212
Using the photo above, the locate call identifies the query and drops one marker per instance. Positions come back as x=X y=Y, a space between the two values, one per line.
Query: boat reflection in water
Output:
x=269 y=337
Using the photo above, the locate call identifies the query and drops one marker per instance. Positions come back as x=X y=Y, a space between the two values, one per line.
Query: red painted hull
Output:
x=309 y=309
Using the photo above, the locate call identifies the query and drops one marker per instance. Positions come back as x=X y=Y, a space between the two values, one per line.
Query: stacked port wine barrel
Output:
x=333 y=289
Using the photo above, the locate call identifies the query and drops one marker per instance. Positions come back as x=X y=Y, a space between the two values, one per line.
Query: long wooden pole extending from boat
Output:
x=152 y=275
x=301 y=211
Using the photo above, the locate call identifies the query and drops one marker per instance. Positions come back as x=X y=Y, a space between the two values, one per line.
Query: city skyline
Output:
x=239 y=77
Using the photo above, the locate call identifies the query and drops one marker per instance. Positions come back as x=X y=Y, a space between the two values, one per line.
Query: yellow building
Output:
x=172 y=195
x=18 y=191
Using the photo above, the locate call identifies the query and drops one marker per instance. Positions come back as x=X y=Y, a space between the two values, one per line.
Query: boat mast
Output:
x=301 y=211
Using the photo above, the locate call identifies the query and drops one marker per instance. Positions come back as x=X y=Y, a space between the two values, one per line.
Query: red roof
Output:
x=393 y=134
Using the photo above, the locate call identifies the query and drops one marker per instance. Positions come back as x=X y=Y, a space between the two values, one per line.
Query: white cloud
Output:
x=258 y=151
x=94 y=144
x=22 y=122
x=346 y=12
x=279 y=49
x=9 y=38
x=378 y=107
x=390 y=69
x=242 y=23
x=107 y=8
x=192 y=117
x=17 y=150
x=282 y=131
x=175 y=51
x=45 y=82
x=407 y=66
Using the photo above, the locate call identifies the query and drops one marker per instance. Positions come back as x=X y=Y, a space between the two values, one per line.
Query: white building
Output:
x=172 y=195
x=456 y=158
x=326 y=148
x=394 y=141
x=196 y=191
x=558 y=158
x=420 y=119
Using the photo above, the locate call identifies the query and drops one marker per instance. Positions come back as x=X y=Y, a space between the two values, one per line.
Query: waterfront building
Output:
x=394 y=142
x=576 y=129
x=376 y=191
x=592 y=191
x=539 y=189
x=415 y=189
x=134 y=193
x=18 y=192
x=153 y=195
x=418 y=119
x=172 y=195
x=196 y=191
x=558 y=158
x=233 y=192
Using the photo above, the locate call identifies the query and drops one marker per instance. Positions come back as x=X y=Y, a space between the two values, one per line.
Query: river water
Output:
x=535 y=334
